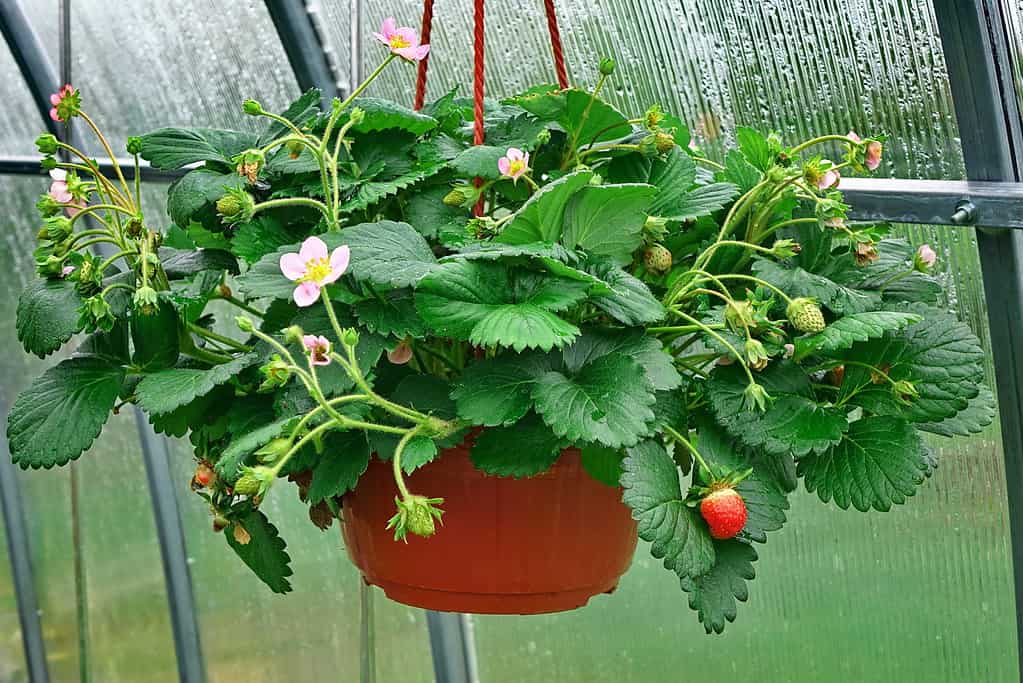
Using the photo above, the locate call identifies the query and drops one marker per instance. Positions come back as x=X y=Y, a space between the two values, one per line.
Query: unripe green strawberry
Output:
x=725 y=513
x=657 y=259
x=247 y=485
x=805 y=315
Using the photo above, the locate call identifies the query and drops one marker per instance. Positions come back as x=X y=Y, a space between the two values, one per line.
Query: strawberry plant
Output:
x=365 y=280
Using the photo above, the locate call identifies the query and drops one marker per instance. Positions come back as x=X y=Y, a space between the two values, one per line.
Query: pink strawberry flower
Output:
x=64 y=103
x=318 y=348
x=789 y=350
x=59 y=190
x=873 y=155
x=828 y=179
x=514 y=163
x=402 y=41
x=66 y=271
x=854 y=137
x=401 y=354
x=925 y=258
x=313 y=268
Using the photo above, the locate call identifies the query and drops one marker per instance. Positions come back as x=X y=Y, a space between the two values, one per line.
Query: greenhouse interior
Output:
x=499 y=341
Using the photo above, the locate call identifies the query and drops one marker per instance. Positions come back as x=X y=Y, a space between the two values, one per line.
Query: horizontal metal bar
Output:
x=24 y=165
x=935 y=202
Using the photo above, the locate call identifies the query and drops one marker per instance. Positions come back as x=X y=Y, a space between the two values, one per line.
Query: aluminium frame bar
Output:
x=975 y=42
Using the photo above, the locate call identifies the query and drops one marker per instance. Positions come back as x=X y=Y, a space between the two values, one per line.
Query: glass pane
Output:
x=188 y=63
x=21 y=121
x=125 y=587
x=925 y=592
x=800 y=67
x=313 y=633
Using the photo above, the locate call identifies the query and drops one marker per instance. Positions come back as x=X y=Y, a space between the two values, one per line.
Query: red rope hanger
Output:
x=478 y=62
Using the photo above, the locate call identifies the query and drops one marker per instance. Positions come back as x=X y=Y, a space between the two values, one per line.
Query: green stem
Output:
x=605 y=148
x=240 y=304
x=116 y=285
x=227 y=341
x=674 y=434
x=758 y=281
x=313 y=434
x=823 y=138
x=724 y=342
x=293 y=201
x=399 y=477
x=110 y=153
x=369 y=79
x=109 y=261
x=707 y=162
x=684 y=329
x=206 y=356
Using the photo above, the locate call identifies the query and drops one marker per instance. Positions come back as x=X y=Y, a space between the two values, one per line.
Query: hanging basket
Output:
x=508 y=546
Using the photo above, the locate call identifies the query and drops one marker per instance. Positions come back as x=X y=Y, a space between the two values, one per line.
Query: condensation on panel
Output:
x=12 y=654
x=800 y=67
x=310 y=634
x=145 y=65
x=333 y=20
x=21 y=122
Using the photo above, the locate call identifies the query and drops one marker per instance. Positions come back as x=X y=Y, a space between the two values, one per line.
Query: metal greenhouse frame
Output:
x=975 y=39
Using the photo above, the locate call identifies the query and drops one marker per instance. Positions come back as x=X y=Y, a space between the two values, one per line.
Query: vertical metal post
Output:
x=21 y=569
x=974 y=40
x=453 y=647
x=173 y=553
x=304 y=46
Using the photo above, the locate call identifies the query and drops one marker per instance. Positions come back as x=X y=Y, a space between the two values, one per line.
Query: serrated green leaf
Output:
x=701 y=201
x=629 y=300
x=479 y=160
x=62 y=412
x=939 y=355
x=754 y=147
x=497 y=391
x=978 y=414
x=657 y=364
x=47 y=315
x=673 y=176
x=428 y=161
x=608 y=400
x=426 y=211
x=714 y=593
x=741 y=172
x=344 y=459
x=257 y=238
x=541 y=218
x=192 y=196
x=180 y=263
x=846 y=331
x=676 y=533
x=162 y=392
x=607 y=220
x=169 y=149
x=888 y=275
x=765 y=501
x=793 y=423
x=388 y=253
x=797 y=282
x=385 y=114
x=880 y=462
x=490 y=304
x=245 y=444
x=265 y=553
x=536 y=449
x=392 y=314
x=200 y=412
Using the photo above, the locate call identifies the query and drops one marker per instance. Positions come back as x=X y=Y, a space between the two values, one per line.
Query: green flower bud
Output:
x=236 y=206
x=785 y=248
x=294 y=334
x=275 y=374
x=756 y=354
x=145 y=300
x=805 y=315
x=47 y=143
x=252 y=107
x=134 y=145
x=350 y=337
x=607 y=66
x=244 y=324
x=462 y=195
x=905 y=392
x=58 y=228
x=48 y=163
x=95 y=314
x=356 y=116
x=48 y=206
x=755 y=397
x=50 y=267
x=739 y=315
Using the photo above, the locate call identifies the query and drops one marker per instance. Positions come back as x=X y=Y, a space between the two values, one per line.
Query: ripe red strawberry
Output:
x=725 y=512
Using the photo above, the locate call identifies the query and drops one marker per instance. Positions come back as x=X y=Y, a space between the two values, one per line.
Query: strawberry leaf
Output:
x=713 y=594
x=536 y=449
x=265 y=553
x=850 y=329
x=541 y=218
x=47 y=315
x=344 y=459
x=676 y=533
x=162 y=392
x=607 y=220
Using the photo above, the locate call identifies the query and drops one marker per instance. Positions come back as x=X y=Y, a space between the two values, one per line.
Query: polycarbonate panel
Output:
x=146 y=64
x=924 y=592
x=800 y=67
x=12 y=654
x=124 y=579
x=311 y=634
x=21 y=122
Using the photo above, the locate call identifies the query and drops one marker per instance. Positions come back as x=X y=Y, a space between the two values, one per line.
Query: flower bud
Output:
x=461 y=196
x=924 y=258
x=905 y=392
x=293 y=335
x=134 y=145
x=50 y=267
x=607 y=66
x=356 y=116
x=756 y=354
x=48 y=163
x=785 y=248
x=236 y=206
x=145 y=300
x=95 y=314
x=739 y=315
x=244 y=323
x=350 y=337
x=755 y=397
x=58 y=228
x=275 y=373
x=47 y=206
x=47 y=143
x=252 y=107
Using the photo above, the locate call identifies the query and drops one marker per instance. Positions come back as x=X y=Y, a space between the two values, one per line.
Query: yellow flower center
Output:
x=316 y=270
x=516 y=166
x=397 y=43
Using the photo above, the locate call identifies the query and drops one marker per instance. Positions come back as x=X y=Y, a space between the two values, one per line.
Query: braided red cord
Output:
x=556 y=48
x=477 y=88
x=424 y=39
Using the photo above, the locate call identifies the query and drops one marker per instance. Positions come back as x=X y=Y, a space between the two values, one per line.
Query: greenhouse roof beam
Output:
x=305 y=47
x=975 y=42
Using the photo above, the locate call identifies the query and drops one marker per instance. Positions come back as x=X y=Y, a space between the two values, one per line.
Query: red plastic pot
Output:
x=507 y=546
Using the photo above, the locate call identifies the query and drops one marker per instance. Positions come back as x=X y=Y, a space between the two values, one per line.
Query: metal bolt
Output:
x=965 y=213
